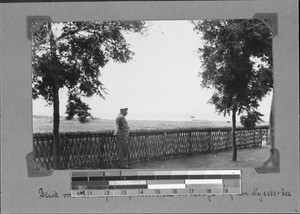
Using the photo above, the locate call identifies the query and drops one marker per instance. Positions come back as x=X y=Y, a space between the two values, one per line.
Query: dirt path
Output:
x=246 y=158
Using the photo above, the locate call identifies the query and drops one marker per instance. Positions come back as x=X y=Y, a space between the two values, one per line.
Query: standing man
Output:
x=122 y=134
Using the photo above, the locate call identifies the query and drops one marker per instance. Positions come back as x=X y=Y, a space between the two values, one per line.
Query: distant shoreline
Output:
x=62 y=118
x=44 y=124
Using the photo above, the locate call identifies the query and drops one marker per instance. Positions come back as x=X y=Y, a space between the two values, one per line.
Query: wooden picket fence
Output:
x=98 y=150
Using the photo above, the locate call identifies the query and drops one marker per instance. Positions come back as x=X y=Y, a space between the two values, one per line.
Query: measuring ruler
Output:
x=161 y=182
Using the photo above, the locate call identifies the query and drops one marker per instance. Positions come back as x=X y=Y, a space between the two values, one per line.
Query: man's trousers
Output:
x=123 y=150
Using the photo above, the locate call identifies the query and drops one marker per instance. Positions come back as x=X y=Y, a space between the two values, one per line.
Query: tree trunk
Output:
x=54 y=69
x=57 y=152
x=234 y=155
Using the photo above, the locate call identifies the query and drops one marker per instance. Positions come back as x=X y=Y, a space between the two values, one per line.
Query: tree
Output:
x=249 y=121
x=76 y=107
x=230 y=54
x=70 y=55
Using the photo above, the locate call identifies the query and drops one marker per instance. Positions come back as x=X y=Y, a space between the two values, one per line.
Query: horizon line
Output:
x=189 y=119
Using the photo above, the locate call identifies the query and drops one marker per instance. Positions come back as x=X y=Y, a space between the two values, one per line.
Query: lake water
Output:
x=42 y=124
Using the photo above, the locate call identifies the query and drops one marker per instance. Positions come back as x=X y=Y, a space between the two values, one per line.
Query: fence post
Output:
x=210 y=141
x=177 y=143
x=261 y=138
x=229 y=142
x=190 y=142
x=146 y=139
x=254 y=136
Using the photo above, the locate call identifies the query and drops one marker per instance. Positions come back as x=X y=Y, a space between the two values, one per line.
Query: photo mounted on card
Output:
x=152 y=94
x=153 y=106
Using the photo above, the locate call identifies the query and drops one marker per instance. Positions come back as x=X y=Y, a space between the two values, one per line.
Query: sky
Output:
x=161 y=82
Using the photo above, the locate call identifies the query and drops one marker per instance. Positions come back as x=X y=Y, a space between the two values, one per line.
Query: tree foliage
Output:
x=76 y=107
x=249 y=120
x=229 y=56
x=70 y=55
x=74 y=53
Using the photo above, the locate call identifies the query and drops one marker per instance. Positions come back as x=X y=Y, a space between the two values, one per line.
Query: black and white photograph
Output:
x=149 y=106
x=168 y=94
